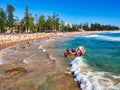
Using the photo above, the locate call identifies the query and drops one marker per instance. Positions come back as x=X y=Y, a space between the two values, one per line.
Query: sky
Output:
x=71 y=11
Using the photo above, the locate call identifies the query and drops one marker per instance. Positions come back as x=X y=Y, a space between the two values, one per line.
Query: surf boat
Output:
x=75 y=52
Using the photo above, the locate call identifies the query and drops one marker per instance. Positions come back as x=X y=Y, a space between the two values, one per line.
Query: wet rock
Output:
x=16 y=71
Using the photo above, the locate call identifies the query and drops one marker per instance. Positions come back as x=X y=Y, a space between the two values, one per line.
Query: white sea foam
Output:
x=40 y=47
x=102 y=37
x=48 y=40
x=91 y=80
x=51 y=57
x=114 y=32
x=25 y=61
x=44 y=50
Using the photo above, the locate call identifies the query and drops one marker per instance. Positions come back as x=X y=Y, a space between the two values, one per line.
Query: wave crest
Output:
x=102 y=37
x=92 y=80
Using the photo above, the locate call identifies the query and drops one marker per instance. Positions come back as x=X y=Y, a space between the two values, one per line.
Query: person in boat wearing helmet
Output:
x=80 y=51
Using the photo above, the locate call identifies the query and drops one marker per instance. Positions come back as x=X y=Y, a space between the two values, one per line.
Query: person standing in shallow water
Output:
x=67 y=52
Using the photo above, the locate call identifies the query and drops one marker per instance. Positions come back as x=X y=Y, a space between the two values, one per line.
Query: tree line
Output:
x=40 y=23
x=97 y=26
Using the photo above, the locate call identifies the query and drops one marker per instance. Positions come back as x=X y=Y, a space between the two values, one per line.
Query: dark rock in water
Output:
x=16 y=71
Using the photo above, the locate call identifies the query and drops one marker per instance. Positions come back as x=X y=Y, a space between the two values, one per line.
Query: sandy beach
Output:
x=31 y=68
x=13 y=38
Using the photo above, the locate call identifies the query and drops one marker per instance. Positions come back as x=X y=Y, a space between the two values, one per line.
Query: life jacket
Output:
x=65 y=53
x=78 y=49
x=80 y=52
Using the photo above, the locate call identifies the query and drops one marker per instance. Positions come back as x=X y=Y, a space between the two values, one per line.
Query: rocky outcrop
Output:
x=16 y=71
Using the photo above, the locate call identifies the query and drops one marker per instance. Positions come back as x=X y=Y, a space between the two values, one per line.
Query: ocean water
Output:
x=99 y=67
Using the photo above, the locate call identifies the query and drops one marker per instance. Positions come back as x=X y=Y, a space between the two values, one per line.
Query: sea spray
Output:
x=91 y=80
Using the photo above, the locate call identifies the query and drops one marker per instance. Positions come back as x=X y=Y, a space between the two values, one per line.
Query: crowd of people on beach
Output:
x=11 y=38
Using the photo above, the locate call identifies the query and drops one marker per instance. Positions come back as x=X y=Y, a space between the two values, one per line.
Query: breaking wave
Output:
x=93 y=80
x=103 y=37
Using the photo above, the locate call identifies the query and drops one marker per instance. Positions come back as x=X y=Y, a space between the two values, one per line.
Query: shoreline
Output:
x=9 y=39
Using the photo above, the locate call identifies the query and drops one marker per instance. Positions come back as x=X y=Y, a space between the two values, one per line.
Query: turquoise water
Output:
x=99 y=67
x=102 y=50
